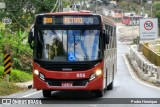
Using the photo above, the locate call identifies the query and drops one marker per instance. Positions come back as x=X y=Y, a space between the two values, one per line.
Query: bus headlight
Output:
x=36 y=72
x=41 y=76
x=96 y=74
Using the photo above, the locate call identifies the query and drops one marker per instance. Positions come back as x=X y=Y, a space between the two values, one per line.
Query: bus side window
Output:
x=107 y=35
x=107 y=38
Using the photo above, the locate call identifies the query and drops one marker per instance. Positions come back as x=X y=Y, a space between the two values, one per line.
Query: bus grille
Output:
x=55 y=82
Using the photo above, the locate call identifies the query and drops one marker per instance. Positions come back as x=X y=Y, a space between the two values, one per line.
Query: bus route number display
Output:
x=72 y=20
x=47 y=20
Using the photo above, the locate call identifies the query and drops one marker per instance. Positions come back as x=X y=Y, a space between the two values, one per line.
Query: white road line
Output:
x=135 y=75
x=128 y=48
x=31 y=94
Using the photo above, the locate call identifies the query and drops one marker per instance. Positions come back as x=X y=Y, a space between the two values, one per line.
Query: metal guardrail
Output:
x=147 y=68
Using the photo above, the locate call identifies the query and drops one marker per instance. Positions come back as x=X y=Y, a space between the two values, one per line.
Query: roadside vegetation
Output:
x=7 y=88
x=17 y=75
x=13 y=38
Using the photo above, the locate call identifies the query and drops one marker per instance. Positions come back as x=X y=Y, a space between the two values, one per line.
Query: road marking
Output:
x=31 y=94
x=134 y=76
x=92 y=106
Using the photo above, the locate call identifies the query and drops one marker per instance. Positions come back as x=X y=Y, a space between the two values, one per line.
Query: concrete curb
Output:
x=26 y=85
x=140 y=73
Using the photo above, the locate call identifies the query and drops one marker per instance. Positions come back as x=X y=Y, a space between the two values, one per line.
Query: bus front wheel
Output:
x=110 y=86
x=46 y=93
x=99 y=93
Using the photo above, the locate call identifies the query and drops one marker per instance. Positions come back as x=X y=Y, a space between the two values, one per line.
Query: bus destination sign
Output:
x=72 y=20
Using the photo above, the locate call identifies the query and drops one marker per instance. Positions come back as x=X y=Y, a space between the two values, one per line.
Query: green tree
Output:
x=156 y=8
x=156 y=11
x=13 y=36
x=22 y=12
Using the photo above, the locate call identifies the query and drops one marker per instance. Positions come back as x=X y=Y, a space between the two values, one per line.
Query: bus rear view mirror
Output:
x=30 y=39
x=107 y=39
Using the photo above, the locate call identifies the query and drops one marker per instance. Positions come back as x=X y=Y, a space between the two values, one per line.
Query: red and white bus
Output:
x=129 y=20
x=73 y=51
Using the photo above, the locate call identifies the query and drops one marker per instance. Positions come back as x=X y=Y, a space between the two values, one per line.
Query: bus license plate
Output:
x=66 y=84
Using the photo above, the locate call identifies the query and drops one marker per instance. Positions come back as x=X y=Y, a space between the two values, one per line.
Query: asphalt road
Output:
x=125 y=86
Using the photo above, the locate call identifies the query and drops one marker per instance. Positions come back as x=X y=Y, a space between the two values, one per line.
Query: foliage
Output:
x=14 y=36
x=20 y=52
x=156 y=9
x=22 y=12
x=130 y=7
x=17 y=75
x=156 y=12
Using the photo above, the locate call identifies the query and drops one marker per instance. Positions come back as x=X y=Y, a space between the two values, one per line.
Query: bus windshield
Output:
x=68 y=45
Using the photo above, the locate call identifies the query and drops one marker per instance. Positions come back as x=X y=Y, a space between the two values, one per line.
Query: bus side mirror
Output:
x=30 y=39
x=107 y=39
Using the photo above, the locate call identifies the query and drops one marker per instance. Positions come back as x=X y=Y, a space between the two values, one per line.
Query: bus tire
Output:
x=99 y=93
x=46 y=93
x=110 y=86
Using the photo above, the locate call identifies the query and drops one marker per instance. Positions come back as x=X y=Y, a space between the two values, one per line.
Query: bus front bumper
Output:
x=95 y=84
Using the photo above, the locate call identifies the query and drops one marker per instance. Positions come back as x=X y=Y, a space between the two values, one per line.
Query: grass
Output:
x=7 y=88
x=17 y=75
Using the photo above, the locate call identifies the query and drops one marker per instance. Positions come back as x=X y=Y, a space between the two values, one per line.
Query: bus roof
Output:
x=109 y=21
x=82 y=12
x=136 y=16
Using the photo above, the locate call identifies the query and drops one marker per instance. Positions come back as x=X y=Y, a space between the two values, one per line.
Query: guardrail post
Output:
x=158 y=73
x=147 y=68
x=151 y=69
x=141 y=66
x=144 y=67
x=131 y=53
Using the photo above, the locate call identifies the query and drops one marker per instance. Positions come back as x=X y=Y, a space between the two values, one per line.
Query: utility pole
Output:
x=84 y=4
x=96 y=6
x=150 y=2
x=142 y=12
x=60 y=7
x=80 y=4
x=73 y=5
x=141 y=2
x=151 y=10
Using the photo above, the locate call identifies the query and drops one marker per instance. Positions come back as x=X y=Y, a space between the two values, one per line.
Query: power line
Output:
x=18 y=22
x=54 y=6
